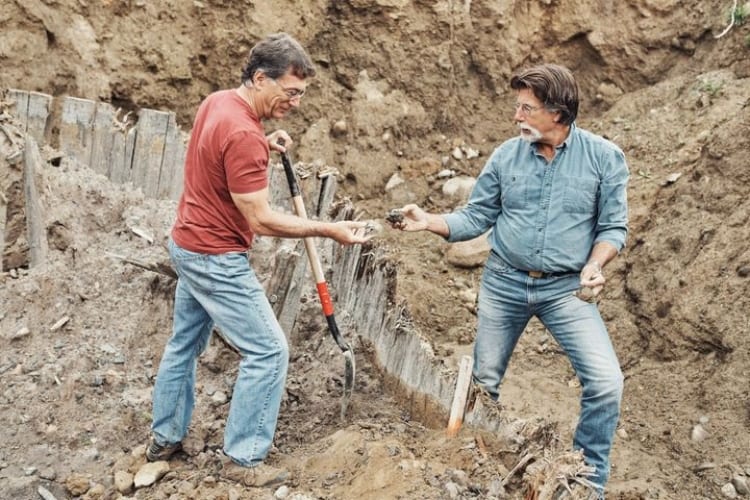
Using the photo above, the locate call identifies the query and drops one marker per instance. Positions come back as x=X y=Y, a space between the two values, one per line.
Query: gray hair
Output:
x=552 y=84
x=275 y=55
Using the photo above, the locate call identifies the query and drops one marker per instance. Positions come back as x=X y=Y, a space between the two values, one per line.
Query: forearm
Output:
x=287 y=226
x=436 y=224
x=602 y=253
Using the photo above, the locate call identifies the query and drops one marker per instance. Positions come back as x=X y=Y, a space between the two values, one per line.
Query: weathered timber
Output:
x=148 y=151
x=77 y=128
x=32 y=111
x=103 y=153
x=172 y=164
x=35 y=228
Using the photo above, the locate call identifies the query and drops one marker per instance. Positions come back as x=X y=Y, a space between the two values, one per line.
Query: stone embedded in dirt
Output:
x=699 y=433
x=468 y=254
x=150 y=473
x=123 y=481
x=339 y=128
x=728 y=491
x=740 y=484
x=77 y=484
x=459 y=187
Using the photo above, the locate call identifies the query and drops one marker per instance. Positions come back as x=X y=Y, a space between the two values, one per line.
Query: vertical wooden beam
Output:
x=458 y=408
x=36 y=233
x=76 y=128
x=149 y=150
x=173 y=162
x=21 y=112
x=103 y=138
x=38 y=115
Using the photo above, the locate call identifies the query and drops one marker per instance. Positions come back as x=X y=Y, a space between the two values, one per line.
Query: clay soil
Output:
x=401 y=85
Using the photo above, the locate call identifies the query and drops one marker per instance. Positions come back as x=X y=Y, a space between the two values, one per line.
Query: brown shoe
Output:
x=259 y=476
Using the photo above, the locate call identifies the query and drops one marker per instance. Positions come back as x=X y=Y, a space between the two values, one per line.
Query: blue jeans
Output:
x=508 y=298
x=222 y=290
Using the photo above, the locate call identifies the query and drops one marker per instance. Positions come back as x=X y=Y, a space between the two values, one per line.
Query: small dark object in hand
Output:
x=395 y=217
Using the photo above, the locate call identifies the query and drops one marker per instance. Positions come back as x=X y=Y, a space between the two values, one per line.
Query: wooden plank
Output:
x=21 y=112
x=149 y=150
x=103 y=151
x=36 y=234
x=76 y=128
x=38 y=115
x=121 y=160
x=328 y=184
x=173 y=161
x=285 y=287
x=278 y=188
x=458 y=408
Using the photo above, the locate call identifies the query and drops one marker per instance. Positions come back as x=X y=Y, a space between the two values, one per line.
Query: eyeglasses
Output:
x=290 y=92
x=526 y=109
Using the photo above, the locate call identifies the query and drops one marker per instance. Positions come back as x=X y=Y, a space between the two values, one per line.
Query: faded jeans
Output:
x=222 y=290
x=508 y=298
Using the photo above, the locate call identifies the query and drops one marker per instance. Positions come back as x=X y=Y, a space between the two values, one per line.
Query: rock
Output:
x=728 y=491
x=77 y=484
x=48 y=473
x=459 y=187
x=445 y=173
x=123 y=481
x=219 y=398
x=282 y=492
x=150 y=473
x=740 y=484
x=457 y=153
x=468 y=254
x=452 y=489
x=622 y=433
x=339 y=128
x=394 y=181
x=699 y=433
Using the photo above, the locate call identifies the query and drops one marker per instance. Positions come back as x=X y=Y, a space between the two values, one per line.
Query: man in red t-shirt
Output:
x=223 y=205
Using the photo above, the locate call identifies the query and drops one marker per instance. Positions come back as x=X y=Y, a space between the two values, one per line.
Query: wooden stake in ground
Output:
x=458 y=408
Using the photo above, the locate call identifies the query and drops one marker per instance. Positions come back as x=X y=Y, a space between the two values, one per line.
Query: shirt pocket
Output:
x=514 y=191
x=580 y=196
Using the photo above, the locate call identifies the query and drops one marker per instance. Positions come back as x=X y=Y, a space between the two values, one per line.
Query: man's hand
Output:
x=273 y=141
x=409 y=218
x=349 y=232
x=592 y=281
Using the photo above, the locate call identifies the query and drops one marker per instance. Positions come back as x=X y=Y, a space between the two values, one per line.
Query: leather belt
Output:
x=540 y=274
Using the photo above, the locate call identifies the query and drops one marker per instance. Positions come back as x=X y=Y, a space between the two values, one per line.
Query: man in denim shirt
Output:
x=555 y=199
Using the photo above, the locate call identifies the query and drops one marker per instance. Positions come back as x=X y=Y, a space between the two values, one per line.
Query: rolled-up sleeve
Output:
x=482 y=210
x=612 y=224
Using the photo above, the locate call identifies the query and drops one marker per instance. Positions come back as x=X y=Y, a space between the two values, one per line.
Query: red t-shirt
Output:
x=227 y=152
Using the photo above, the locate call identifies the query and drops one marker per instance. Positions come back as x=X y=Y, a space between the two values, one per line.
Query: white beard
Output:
x=529 y=134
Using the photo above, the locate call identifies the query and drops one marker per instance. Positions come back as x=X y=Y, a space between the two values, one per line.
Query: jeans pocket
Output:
x=497 y=265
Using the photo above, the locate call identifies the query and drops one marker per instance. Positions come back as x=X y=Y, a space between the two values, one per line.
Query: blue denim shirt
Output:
x=548 y=216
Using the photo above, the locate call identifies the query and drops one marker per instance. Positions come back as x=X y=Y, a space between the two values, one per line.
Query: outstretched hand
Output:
x=409 y=218
x=349 y=232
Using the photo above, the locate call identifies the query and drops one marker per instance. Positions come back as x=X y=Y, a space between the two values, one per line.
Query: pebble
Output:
x=282 y=492
x=123 y=481
x=699 y=433
x=728 y=491
x=150 y=473
x=740 y=484
x=452 y=489
x=622 y=433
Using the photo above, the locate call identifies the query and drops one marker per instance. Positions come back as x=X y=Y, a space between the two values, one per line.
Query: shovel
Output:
x=322 y=286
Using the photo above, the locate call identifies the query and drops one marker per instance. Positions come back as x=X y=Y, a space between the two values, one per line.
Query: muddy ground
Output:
x=401 y=86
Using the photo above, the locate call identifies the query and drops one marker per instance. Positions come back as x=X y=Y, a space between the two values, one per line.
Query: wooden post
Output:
x=458 y=408
x=76 y=128
x=148 y=150
x=35 y=228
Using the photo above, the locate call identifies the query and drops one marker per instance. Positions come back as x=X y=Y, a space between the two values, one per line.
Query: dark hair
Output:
x=275 y=55
x=552 y=84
